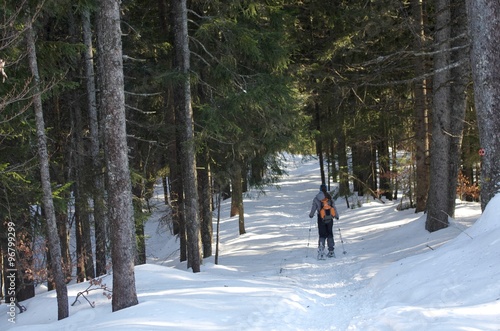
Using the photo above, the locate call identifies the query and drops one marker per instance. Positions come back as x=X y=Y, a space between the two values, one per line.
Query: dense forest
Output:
x=101 y=100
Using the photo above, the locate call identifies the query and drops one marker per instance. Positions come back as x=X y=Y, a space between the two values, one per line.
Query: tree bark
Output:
x=121 y=214
x=449 y=101
x=85 y=265
x=421 y=110
x=319 y=143
x=184 y=118
x=173 y=147
x=48 y=203
x=384 y=168
x=344 y=189
x=437 y=204
x=450 y=75
x=237 y=196
x=484 y=23
x=205 y=195
x=100 y=219
x=62 y=230
x=138 y=192
x=460 y=76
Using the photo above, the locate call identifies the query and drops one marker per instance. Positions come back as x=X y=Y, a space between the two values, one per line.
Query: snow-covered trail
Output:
x=280 y=247
x=269 y=278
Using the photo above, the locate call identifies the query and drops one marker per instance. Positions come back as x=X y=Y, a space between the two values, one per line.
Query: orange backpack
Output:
x=327 y=212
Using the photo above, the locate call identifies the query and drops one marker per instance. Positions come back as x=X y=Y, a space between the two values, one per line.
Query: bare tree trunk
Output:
x=319 y=144
x=384 y=160
x=100 y=219
x=437 y=204
x=361 y=161
x=384 y=169
x=138 y=192
x=121 y=213
x=80 y=244
x=176 y=190
x=217 y=231
x=448 y=114
x=84 y=249
x=184 y=118
x=394 y=172
x=343 y=166
x=237 y=196
x=178 y=216
x=421 y=111
x=460 y=76
x=205 y=195
x=85 y=261
x=62 y=230
x=333 y=168
x=484 y=23
x=48 y=203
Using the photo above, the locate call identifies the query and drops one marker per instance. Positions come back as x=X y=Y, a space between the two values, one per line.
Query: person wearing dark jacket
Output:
x=325 y=229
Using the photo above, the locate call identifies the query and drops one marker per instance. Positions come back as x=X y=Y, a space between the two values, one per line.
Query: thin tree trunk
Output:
x=421 y=111
x=84 y=253
x=333 y=167
x=173 y=148
x=373 y=166
x=361 y=165
x=319 y=144
x=121 y=213
x=484 y=23
x=217 y=235
x=48 y=203
x=237 y=196
x=175 y=178
x=357 y=168
x=100 y=219
x=394 y=171
x=205 y=195
x=80 y=252
x=184 y=118
x=460 y=76
x=343 y=166
x=384 y=159
x=138 y=191
x=62 y=230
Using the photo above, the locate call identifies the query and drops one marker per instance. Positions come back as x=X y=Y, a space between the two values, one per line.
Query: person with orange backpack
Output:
x=324 y=206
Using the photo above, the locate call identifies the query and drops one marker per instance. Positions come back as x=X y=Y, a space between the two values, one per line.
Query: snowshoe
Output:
x=321 y=253
x=331 y=254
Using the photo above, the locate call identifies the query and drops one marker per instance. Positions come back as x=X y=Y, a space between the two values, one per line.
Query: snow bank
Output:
x=455 y=286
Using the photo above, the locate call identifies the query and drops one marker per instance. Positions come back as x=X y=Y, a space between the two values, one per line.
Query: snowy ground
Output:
x=394 y=275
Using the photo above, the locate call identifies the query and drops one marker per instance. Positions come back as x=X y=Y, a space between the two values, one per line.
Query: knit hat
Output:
x=322 y=187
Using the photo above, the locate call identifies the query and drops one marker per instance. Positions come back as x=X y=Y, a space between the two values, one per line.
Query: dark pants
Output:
x=325 y=232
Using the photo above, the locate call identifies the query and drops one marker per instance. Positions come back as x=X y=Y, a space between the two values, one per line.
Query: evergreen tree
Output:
x=48 y=203
x=448 y=112
x=121 y=215
x=246 y=107
x=484 y=23
x=98 y=190
x=185 y=127
x=421 y=104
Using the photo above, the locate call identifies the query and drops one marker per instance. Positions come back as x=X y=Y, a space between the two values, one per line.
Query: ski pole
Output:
x=341 y=239
x=309 y=237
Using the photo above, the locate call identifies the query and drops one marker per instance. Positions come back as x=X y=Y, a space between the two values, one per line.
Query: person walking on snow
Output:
x=325 y=229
